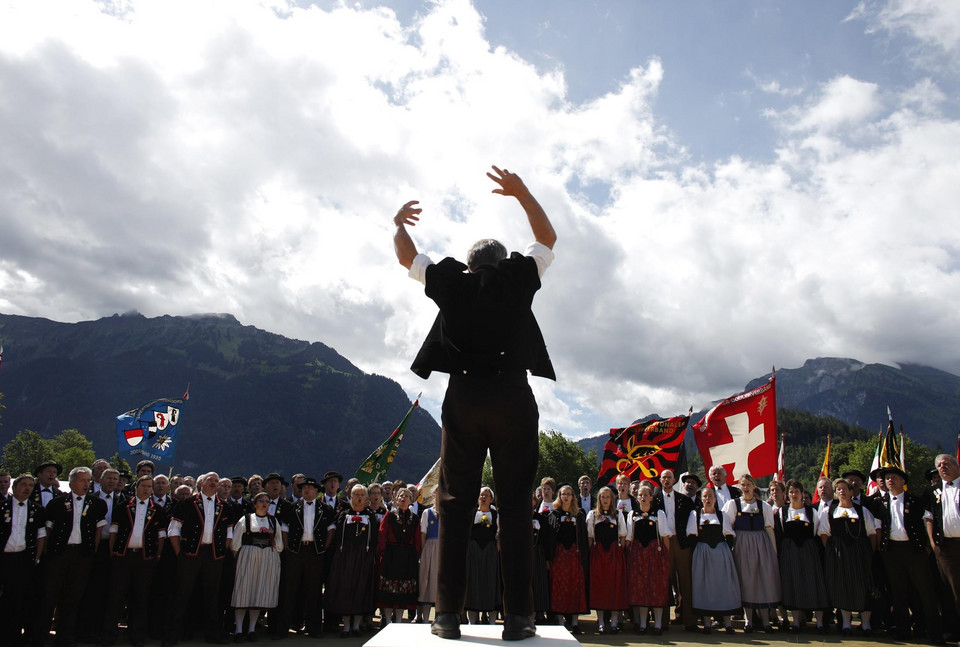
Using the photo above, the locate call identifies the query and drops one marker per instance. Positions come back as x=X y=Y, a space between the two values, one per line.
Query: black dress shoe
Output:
x=657 y=631
x=517 y=627
x=575 y=630
x=446 y=625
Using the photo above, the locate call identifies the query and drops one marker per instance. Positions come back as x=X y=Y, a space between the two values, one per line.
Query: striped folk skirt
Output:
x=257 y=582
x=648 y=574
x=847 y=564
x=483 y=577
x=428 y=572
x=756 y=560
x=801 y=574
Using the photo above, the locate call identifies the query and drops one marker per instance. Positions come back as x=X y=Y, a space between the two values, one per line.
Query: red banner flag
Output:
x=643 y=450
x=740 y=434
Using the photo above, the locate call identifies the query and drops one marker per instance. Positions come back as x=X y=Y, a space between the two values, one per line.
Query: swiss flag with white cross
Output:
x=740 y=434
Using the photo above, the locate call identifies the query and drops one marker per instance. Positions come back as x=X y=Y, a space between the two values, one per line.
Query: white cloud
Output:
x=181 y=157
x=932 y=22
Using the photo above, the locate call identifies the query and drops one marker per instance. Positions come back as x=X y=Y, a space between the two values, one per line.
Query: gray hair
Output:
x=949 y=457
x=78 y=470
x=719 y=468
x=485 y=252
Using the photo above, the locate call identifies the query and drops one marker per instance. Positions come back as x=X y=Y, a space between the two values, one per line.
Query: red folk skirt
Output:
x=608 y=586
x=567 y=583
x=648 y=574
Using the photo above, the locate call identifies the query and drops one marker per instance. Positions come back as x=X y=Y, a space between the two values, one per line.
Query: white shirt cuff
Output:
x=418 y=268
x=542 y=254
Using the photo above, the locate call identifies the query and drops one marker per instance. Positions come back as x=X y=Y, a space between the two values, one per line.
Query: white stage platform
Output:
x=418 y=635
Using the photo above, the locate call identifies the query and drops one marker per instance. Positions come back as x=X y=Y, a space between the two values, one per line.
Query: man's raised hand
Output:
x=408 y=214
x=510 y=183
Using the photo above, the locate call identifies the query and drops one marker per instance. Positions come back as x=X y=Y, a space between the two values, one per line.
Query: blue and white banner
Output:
x=150 y=432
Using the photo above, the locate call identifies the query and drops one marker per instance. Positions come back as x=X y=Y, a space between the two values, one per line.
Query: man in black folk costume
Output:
x=486 y=338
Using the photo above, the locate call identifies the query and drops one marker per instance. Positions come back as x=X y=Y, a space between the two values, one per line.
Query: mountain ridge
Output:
x=82 y=375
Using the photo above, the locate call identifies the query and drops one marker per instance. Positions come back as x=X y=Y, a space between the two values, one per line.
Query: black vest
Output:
x=189 y=512
x=60 y=512
x=36 y=517
x=323 y=517
x=124 y=517
x=485 y=325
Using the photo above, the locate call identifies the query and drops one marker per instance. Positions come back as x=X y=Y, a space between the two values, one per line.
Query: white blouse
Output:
x=259 y=524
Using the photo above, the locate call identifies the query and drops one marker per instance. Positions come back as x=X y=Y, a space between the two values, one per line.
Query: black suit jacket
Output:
x=155 y=521
x=485 y=324
x=323 y=517
x=60 y=515
x=682 y=507
x=35 y=496
x=36 y=518
x=189 y=512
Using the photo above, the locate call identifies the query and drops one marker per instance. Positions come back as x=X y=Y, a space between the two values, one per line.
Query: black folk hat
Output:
x=332 y=475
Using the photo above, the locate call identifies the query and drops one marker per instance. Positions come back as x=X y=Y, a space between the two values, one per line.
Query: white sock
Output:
x=658 y=617
x=238 y=615
x=865 y=620
x=643 y=611
x=845 y=615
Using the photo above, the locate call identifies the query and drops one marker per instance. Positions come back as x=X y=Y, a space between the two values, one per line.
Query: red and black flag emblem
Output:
x=645 y=449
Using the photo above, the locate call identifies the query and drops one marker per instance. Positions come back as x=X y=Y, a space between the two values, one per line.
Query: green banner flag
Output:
x=375 y=468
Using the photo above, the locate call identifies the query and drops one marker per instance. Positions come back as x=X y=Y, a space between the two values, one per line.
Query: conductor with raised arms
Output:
x=486 y=338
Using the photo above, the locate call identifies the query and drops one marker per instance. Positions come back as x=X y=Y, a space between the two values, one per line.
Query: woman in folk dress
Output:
x=648 y=563
x=257 y=543
x=607 y=534
x=351 y=586
x=398 y=548
x=801 y=566
x=571 y=558
x=755 y=553
x=848 y=533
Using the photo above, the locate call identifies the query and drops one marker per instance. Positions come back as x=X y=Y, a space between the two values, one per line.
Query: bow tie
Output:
x=46 y=489
x=209 y=498
x=308 y=502
x=79 y=498
x=143 y=503
x=20 y=504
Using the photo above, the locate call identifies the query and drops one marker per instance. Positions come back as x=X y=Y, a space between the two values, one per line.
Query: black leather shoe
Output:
x=516 y=627
x=446 y=625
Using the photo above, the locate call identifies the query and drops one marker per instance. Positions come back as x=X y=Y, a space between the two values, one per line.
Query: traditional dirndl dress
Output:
x=801 y=567
x=399 y=570
x=568 y=591
x=715 y=585
x=351 y=585
x=257 y=581
x=430 y=527
x=648 y=563
x=542 y=553
x=608 y=587
x=483 y=564
x=755 y=556
x=847 y=560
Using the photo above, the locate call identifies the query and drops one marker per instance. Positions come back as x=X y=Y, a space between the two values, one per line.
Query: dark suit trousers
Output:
x=131 y=582
x=500 y=414
x=680 y=563
x=65 y=581
x=304 y=581
x=905 y=568
x=948 y=558
x=16 y=572
x=92 y=607
x=207 y=570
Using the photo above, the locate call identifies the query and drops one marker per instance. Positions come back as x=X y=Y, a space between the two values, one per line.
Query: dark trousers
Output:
x=164 y=588
x=680 y=564
x=64 y=583
x=131 y=582
x=304 y=581
x=92 y=608
x=948 y=559
x=206 y=570
x=908 y=569
x=497 y=413
x=16 y=572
